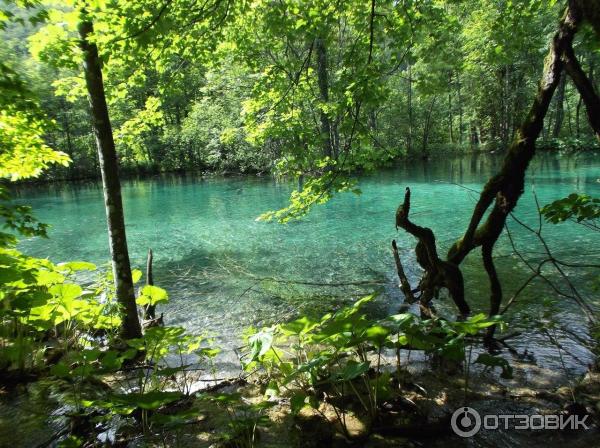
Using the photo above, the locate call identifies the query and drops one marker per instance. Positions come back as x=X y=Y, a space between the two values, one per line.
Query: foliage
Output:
x=23 y=152
x=340 y=355
x=238 y=86
x=581 y=208
x=244 y=419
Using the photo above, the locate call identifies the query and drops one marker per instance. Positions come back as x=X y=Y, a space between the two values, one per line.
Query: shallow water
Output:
x=219 y=264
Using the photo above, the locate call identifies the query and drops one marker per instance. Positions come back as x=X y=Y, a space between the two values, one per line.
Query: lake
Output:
x=225 y=271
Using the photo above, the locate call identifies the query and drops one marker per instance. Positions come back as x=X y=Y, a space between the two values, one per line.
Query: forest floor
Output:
x=419 y=414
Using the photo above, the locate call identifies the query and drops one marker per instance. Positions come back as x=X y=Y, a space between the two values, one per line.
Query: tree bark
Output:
x=410 y=112
x=560 y=111
x=450 y=127
x=427 y=129
x=404 y=283
x=438 y=273
x=107 y=157
x=323 y=77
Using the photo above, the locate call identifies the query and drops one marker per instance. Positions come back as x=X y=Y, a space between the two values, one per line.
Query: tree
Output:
x=107 y=157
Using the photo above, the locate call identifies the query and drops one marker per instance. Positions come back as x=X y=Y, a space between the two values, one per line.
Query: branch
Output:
x=146 y=27
x=404 y=283
x=585 y=88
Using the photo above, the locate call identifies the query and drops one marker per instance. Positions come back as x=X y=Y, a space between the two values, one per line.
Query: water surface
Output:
x=225 y=271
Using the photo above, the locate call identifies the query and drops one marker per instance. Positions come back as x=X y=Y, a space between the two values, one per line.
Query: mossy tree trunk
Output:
x=107 y=157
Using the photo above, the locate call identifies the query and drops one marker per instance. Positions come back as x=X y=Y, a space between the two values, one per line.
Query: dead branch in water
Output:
x=437 y=272
x=404 y=283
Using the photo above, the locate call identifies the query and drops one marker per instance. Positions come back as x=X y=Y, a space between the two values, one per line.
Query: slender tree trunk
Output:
x=577 y=115
x=335 y=134
x=107 y=157
x=560 y=111
x=460 y=109
x=427 y=129
x=569 y=115
x=323 y=76
x=451 y=129
x=586 y=89
x=410 y=112
x=67 y=126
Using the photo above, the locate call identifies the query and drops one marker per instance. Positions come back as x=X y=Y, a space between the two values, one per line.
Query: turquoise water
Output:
x=218 y=263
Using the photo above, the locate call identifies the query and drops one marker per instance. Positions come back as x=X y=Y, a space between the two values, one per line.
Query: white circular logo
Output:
x=466 y=422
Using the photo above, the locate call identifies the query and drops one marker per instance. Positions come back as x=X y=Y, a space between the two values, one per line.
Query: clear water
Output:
x=216 y=260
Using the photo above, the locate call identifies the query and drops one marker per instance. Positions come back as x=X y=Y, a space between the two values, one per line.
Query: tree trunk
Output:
x=506 y=187
x=427 y=129
x=451 y=129
x=410 y=112
x=585 y=86
x=460 y=109
x=107 y=157
x=323 y=77
x=560 y=111
x=577 y=115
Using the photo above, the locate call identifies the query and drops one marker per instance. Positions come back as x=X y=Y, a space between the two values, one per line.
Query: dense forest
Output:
x=317 y=95
x=242 y=87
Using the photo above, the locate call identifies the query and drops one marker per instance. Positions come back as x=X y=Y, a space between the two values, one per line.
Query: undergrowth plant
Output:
x=346 y=355
x=244 y=418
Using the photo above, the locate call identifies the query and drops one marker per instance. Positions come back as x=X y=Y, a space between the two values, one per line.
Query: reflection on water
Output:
x=219 y=264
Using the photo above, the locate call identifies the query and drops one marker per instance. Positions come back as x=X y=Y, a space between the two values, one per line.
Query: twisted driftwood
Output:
x=438 y=273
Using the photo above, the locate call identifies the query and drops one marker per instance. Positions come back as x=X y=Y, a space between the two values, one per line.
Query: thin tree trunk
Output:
x=67 y=126
x=585 y=86
x=460 y=109
x=107 y=157
x=450 y=109
x=560 y=111
x=410 y=112
x=323 y=77
x=569 y=115
x=427 y=128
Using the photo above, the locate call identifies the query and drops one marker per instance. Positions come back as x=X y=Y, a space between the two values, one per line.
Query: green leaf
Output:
x=377 y=334
x=298 y=402
x=136 y=275
x=149 y=400
x=260 y=343
x=152 y=295
x=496 y=361
x=299 y=326
x=353 y=369
x=76 y=266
